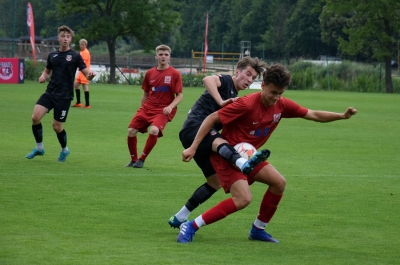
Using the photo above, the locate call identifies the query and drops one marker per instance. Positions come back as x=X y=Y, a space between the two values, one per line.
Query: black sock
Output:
x=62 y=138
x=78 y=96
x=203 y=193
x=228 y=153
x=87 y=98
x=38 y=132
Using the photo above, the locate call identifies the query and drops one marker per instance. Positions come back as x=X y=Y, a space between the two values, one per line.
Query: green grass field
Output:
x=341 y=205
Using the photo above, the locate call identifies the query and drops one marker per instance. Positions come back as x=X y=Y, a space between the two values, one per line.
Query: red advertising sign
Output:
x=12 y=71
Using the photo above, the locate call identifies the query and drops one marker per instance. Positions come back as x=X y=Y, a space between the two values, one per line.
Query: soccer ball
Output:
x=246 y=150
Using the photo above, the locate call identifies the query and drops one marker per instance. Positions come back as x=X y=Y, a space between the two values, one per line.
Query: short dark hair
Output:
x=256 y=63
x=278 y=75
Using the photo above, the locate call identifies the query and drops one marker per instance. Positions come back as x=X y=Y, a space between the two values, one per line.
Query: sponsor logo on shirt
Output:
x=160 y=89
x=167 y=80
x=260 y=132
x=68 y=58
x=277 y=117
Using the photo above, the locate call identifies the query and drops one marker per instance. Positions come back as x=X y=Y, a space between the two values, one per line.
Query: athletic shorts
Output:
x=81 y=79
x=228 y=175
x=202 y=156
x=60 y=106
x=142 y=120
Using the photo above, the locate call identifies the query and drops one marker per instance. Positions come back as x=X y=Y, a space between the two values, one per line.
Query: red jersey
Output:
x=161 y=85
x=249 y=120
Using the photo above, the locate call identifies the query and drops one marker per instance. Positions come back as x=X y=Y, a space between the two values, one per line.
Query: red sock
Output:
x=269 y=204
x=219 y=211
x=132 y=146
x=150 y=143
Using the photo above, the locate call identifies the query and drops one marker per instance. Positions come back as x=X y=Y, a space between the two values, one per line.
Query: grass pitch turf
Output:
x=341 y=205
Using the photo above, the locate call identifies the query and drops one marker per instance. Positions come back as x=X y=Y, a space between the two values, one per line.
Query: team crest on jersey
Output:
x=167 y=80
x=68 y=58
x=213 y=132
x=6 y=71
x=277 y=117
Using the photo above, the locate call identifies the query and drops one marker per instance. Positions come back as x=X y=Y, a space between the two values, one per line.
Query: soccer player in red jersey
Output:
x=221 y=90
x=259 y=115
x=162 y=92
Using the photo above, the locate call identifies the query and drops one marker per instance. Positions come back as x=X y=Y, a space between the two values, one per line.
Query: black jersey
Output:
x=206 y=104
x=63 y=66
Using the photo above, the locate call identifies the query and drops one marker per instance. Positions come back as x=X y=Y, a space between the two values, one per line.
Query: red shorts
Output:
x=143 y=119
x=81 y=79
x=228 y=174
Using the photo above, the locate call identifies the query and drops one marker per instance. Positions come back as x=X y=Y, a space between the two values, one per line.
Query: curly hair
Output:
x=66 y=29
x=256 y=63
x=278 y=75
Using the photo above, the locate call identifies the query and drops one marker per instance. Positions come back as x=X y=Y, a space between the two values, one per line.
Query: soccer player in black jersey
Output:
x=221 y=90
x=61 y=67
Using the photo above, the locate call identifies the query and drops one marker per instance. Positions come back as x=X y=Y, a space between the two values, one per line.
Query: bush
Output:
x=32 y=73
x=190 y=80
x=345 y=76
x=396 y=85
x=333 y=83
x=303 y=79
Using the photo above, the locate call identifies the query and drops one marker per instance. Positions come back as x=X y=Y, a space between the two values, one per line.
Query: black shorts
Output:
x=60 y=106
x=202 y=156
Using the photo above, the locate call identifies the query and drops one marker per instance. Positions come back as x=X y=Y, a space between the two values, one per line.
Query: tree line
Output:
x=352 y=29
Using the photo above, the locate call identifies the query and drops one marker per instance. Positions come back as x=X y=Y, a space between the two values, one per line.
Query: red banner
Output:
x=205 y=45
x=31 y=31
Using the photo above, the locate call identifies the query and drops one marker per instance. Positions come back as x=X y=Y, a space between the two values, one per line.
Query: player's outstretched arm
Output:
x=350 y=112
x=327 y=116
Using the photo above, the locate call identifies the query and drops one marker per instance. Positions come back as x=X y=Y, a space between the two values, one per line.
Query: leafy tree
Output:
x=193 y=13
x=255 y=22
x=218 y=23
x=372 y=26
x=108 y=20
x=235 y=12
x=274 y=37
x=304 y=31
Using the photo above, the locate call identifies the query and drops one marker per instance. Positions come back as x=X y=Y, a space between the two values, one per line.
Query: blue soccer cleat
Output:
x=63 y=156
x=186 y=232
x=34 y=153
x=261 y=235
x=254 y=160
x=174 y=222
